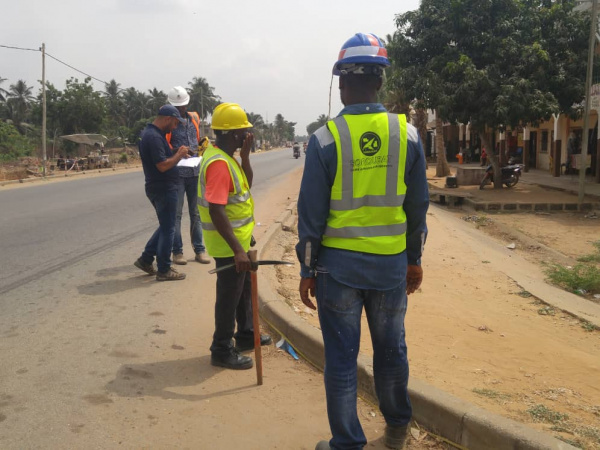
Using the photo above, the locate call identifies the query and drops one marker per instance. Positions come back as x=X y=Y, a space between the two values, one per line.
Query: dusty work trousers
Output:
x=234 y=304
x=340 y=310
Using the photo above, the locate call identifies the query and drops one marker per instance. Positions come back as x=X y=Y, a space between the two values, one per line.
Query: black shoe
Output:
x=395 y=437
x=243 y=345
x=232 y=360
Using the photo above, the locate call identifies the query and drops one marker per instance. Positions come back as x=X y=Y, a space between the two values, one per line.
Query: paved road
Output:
x=50 y=226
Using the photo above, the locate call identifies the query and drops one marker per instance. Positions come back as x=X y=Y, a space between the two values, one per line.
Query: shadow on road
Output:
x=157 y=379
x=116 y=285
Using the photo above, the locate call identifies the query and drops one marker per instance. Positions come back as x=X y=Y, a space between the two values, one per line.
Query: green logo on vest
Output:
x=370 y=143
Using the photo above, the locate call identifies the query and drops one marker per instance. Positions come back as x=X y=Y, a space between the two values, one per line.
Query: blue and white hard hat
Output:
x=359 y=51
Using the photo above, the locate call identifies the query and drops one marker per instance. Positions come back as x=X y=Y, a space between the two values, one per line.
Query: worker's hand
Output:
x=247 y=145
x=307 y=286
x=183 y=152
x=242 y=262
x=414 y=277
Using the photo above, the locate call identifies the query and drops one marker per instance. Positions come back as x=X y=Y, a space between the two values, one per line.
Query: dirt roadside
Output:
x=474 y=333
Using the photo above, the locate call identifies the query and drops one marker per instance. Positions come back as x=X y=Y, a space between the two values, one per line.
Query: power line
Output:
x=74 y=68
x=21 y=48
x=56 y=59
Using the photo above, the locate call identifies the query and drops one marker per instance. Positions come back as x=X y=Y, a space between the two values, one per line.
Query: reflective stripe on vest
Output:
x=239 y=208
x=233 y=198
x=366 y=211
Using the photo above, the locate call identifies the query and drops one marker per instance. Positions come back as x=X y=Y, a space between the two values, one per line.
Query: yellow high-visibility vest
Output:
x=365 y=213
x=239 y=208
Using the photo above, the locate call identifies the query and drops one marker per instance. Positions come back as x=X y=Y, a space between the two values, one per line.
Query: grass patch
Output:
x=580 y=279
x=541 y=413
x=588 y=326
x=524 y=294
x=594 y=257
x=547 y=311
x=489 y=393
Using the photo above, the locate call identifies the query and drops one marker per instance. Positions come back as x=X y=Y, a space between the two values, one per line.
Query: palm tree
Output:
x=114 y=102
x=202 y=97
x=258 y=124
x=157 y=99
x=19 y=102
x=137 y=105
x=3 y=92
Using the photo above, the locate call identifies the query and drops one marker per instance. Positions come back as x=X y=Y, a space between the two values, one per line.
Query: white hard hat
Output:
x=178 y=96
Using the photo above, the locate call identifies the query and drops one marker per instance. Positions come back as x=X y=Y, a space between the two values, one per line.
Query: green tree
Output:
x=19 y=103
x=157 y=99
x=258 y=124
x=80 y=108
x=113 y=100
x=314 y=126
x=202 y=97
x=137 y=106
x=495 y=64
x=3 y=92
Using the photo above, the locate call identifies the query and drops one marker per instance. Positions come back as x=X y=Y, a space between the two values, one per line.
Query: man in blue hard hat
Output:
x=361 y=225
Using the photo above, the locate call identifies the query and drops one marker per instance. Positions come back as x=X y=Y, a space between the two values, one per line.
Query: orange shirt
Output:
x=218 y=183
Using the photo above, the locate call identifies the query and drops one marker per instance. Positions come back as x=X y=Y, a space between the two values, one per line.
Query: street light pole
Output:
x=588 y=89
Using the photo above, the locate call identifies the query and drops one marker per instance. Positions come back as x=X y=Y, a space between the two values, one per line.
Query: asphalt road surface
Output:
x=50 y=226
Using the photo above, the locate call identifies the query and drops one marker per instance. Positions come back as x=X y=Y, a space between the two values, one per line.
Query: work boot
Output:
x=232 y=360
x=323 y=445
x=148 y=268
x=395 y=437
x=179 y=259
x=202 y=258
x=242 y=345
x=170 y=275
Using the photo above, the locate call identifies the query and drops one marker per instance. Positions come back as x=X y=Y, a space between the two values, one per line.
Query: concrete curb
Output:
x=459 y=421
x=67 y=175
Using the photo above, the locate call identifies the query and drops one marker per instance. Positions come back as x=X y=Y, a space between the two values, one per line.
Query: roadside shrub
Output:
x=581 y=279
x=12 y=144
x=123 y=158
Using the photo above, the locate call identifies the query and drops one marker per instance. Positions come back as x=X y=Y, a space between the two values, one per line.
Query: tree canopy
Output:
x=496 y=63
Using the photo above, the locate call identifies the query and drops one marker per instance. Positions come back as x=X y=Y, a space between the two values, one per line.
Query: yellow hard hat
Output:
x=229 y=116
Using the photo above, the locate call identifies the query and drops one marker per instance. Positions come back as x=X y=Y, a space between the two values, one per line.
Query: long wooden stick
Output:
x=255 y=322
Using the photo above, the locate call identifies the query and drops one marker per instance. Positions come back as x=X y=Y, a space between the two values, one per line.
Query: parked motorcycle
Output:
x=510 y=175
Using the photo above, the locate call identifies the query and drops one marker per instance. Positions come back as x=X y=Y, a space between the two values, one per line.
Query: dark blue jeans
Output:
x=188 y=187
x=340 y=309
x=160 y=244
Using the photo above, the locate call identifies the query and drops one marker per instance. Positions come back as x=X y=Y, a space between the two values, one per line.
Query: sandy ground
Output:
x=474 y=333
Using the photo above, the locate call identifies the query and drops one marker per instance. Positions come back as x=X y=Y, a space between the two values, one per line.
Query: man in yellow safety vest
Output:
x=361 y=227
x=227 y=215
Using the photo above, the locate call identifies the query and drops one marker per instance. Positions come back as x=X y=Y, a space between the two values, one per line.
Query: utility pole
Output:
x=44 y=107
x=588 y=90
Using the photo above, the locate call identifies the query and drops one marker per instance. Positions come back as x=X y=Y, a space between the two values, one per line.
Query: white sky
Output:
x=269 y=56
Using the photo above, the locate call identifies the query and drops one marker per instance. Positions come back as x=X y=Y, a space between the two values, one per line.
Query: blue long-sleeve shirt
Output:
x=357 y=269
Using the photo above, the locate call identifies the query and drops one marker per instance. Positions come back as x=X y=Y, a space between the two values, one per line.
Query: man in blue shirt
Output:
x=162 y=178
x=362 y=226
x=187 y=134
